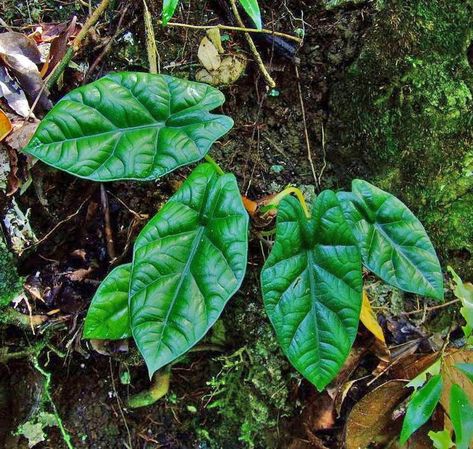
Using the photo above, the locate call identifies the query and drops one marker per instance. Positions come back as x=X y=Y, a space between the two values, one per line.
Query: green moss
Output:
x=250 y=394
x=10 y=282
x=403 y=116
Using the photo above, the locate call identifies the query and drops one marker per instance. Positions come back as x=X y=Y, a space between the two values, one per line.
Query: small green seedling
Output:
x=190 y=259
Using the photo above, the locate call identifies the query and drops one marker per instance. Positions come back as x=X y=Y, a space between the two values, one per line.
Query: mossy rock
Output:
x=10 y=282
x=402 y=117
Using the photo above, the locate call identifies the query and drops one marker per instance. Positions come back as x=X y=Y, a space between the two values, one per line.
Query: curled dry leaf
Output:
x=21 y=56
x=59 y=45
x=229 y=71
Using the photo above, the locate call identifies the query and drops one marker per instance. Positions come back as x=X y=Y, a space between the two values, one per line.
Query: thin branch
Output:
x=269 y=80
x=234 y=28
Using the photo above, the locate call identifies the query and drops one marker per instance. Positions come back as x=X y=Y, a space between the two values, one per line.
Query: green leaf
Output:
x=130 y=126
x=169 y=7
x=466 y=368
x=312 y=287
x=441 y=439
x=188 y=261
x=461 y=415
x=108 y=317
x=393 y=242
x=464 y=292
x=251 y=7
x=421 y=406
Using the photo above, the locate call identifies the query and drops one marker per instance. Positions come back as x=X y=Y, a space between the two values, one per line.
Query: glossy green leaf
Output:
x=108 y=316
x=312 y=287
x=169 y=7
x=421 y=406
x=461 y=415
x=466 y=368
x=393 y=242
x=251 y=7
x=188 y=261
x=130 y=126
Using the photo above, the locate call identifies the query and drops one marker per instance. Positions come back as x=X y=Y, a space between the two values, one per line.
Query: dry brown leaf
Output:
x=208 y=55
x=59 y=45
x=21 y=134
x=214 y=35
x=370 y=420
x=21 y=56
x=451 y=375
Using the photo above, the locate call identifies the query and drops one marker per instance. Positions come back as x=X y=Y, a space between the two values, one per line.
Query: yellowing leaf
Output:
x=5 y=125
x=214 y=35
x=369 y=320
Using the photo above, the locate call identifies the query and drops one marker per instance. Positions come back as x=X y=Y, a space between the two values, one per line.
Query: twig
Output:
x=70 y=217
x=306 y=132
x=233 y=28
x=269 y=80
x=91 y=21
x=429 y=309
x=107 y=222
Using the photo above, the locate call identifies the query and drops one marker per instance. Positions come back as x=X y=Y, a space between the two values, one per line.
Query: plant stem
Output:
x=91 y=21
x=233 y=28
x=212 y=161
x=287 y=191
x=269 y=80
x=158 y=389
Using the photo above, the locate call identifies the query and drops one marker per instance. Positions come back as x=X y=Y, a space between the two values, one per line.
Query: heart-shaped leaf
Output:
x=108 y=317
x=188 y=261
x=312 y=287
x=393 y=242
x=421 y=406
x=130 y=126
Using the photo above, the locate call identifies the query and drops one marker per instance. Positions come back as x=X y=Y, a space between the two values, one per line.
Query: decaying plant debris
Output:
x=320 y=93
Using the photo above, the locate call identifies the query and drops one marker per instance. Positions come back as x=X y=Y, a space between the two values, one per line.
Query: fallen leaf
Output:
x=5 y=125
x=14 y=96
x=250 y=205
x=59 y=46
x=214 y=35
x=452 y=375
x=370 y=420
x=208 y=55
x=21 y=134
x=21 y=56
x=228 y=72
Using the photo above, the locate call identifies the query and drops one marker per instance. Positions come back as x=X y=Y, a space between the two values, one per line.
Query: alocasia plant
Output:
x=191 y=257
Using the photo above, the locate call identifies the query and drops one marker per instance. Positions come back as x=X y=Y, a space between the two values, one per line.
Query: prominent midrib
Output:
x=184 y=274
x=313 y=290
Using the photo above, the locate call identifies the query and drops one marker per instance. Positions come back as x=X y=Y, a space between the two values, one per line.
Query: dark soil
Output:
x=266 y=150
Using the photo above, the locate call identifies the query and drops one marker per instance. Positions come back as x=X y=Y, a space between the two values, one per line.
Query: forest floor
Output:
x=241 y=393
